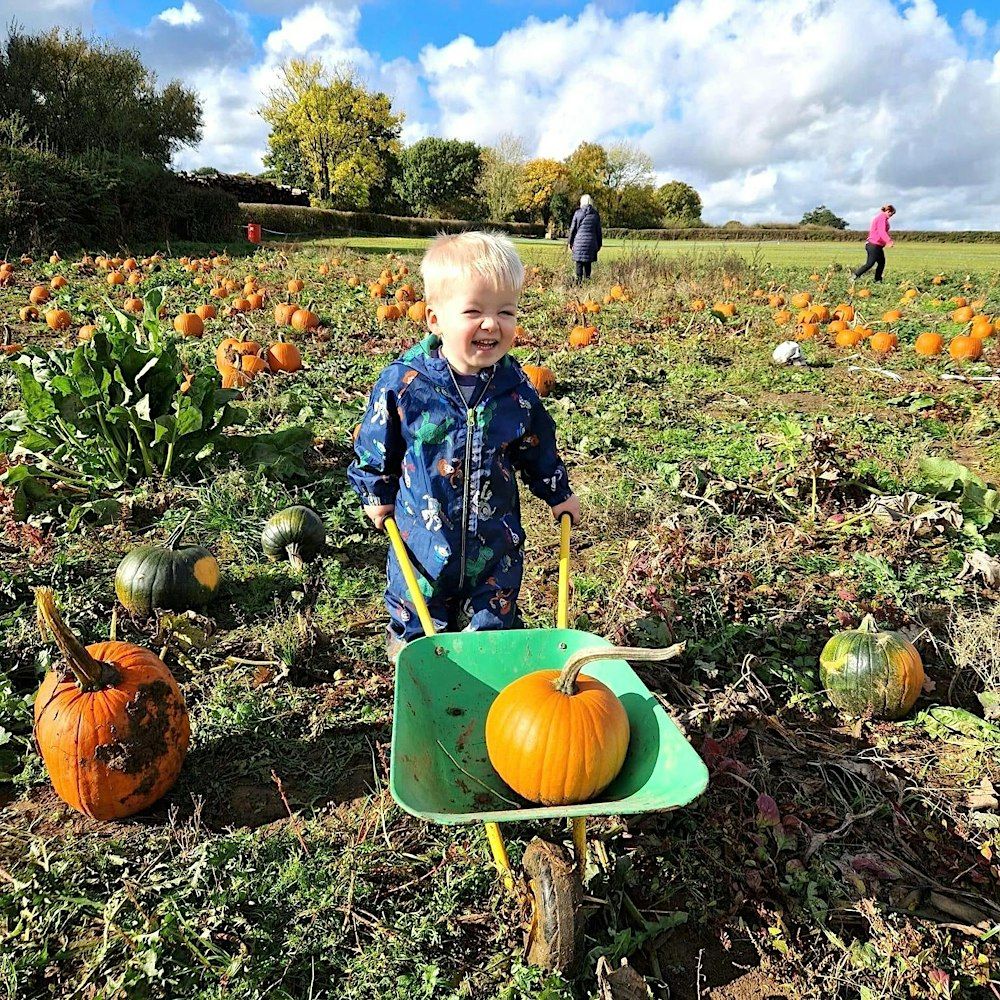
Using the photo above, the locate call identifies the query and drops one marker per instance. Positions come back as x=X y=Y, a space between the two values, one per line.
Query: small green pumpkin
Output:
x=871 y=673
x=296 y=534
x=167 y=576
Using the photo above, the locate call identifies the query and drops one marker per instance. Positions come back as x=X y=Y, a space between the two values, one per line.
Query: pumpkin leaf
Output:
x=956 y=725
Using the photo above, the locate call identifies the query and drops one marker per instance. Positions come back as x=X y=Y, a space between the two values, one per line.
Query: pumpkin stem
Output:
x=868 y=625
x=566 y=681
x=91 y=674
x=295 y=555
x=174 y=541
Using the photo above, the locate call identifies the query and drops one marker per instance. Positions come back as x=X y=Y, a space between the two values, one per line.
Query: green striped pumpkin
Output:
x=871 y=673
x=167 y=576
x=296 y=534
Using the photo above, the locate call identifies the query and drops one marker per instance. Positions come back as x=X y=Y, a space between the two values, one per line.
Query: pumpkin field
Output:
x=821 y=535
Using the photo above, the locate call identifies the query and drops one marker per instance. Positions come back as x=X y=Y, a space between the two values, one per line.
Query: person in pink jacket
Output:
x=878 y=240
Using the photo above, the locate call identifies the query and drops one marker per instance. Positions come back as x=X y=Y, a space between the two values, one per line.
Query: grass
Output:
x=728 y=503
x=903 y=258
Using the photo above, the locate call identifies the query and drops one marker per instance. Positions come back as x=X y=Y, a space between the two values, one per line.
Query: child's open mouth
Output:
x=485 y=345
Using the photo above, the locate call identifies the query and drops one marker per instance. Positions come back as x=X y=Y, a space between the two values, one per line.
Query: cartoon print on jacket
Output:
x=451 y=480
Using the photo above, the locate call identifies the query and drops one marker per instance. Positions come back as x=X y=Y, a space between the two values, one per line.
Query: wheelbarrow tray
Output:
x=445 y=684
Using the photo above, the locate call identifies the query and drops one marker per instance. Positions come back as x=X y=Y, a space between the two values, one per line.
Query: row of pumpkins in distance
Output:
x=94 y=767
x=963 y=347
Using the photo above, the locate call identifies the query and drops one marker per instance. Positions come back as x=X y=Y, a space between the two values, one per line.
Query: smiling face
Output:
x=475 y=322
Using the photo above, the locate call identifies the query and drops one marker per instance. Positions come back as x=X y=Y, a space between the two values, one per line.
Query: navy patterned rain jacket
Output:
x=449 y=470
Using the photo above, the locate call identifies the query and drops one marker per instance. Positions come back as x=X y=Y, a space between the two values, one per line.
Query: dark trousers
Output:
x=583 y=269
x=876 y=259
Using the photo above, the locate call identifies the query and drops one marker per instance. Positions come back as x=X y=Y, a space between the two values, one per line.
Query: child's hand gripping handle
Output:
x=403 y=558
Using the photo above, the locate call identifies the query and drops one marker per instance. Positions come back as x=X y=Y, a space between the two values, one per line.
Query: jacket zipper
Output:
x=470 y=423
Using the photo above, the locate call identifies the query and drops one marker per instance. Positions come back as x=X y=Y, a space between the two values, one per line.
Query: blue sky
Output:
x=769 y=107
x=401 y=27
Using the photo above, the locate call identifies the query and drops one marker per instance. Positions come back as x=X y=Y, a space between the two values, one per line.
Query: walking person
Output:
x=878 y=240
x=585 y=239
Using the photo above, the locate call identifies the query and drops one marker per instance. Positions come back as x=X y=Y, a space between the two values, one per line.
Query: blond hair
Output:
x=456 y=258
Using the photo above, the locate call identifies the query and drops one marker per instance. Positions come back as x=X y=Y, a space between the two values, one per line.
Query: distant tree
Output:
x=541 y=181
x=72 y=96
x=345 y=134
x=588 y=167
x=284 y=162
x=680 y=201
x=437 y=174
x=638 y=207
x=628 y=171
x=501 y=177
x=822 y=216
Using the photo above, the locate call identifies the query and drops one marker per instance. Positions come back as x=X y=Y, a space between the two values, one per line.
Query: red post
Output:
x=253 y=232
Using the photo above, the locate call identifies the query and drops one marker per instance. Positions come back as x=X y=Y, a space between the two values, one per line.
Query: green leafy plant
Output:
x=979 y=501
x=112 y=411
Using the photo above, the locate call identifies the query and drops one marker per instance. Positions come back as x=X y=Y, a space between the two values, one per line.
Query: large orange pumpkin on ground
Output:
x=963 y=348
x=883 y=342
x=963 y=314
x=189 y=325
x=111 y=726
x=283 y=313
x=304 y=319
x=58 y=319
x=283 y=357
x=929 y=343
x=582 y=336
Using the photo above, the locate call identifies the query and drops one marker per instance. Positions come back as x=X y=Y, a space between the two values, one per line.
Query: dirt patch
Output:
x=696 y=966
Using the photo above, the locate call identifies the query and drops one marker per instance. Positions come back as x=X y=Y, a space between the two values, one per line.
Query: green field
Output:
x=902 y=258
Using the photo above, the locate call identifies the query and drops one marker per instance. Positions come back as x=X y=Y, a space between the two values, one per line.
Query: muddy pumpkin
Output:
x=869 y=672
x=110 y=722
x=168 y=576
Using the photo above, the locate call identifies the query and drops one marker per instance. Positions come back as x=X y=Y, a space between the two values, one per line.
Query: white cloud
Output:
x=40 y=15
x=974 y=24
x=188 y=14
x=181 y=42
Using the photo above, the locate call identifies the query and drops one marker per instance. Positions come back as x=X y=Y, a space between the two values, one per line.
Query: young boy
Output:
x=446 y=427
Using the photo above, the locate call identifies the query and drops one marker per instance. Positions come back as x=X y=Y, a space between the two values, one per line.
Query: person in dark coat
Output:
x=585 y=240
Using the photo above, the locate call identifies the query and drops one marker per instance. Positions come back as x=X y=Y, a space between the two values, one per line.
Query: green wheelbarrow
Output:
x=439 y=769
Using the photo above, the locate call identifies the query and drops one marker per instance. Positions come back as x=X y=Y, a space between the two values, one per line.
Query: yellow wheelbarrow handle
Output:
x=403 y=558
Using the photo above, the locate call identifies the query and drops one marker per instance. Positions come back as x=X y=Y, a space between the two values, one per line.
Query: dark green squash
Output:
x=871 y=673
x=168 y=576
x=296 y=534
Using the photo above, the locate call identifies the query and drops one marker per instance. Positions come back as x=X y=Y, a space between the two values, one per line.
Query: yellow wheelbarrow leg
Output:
x=499 y=850
x=580 y=844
